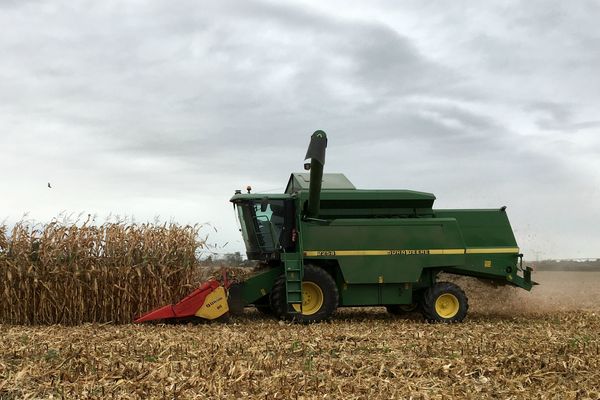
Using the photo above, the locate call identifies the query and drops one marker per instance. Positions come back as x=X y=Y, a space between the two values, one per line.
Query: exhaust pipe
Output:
x=316 y=153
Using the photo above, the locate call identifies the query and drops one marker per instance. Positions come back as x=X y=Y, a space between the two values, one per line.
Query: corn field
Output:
x=70 y=273
x=360 y=354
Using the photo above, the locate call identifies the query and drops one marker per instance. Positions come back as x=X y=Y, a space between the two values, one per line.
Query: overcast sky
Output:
x=162 y=108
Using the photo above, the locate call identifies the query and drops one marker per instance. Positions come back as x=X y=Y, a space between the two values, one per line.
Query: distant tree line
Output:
x=228 y=259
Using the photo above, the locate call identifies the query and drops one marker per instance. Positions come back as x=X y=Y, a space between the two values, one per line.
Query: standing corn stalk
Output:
x=71 y=273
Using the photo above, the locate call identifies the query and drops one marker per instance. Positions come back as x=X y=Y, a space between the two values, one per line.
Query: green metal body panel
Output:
x=482 y=228
x=259 y=285
x=395 y=249
x=373 y=295
x=258 y=196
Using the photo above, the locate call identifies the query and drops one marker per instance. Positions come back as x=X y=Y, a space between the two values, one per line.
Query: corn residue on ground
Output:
x=360 y=354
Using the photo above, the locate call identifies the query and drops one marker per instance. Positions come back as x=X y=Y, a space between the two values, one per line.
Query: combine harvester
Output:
x=325 y=244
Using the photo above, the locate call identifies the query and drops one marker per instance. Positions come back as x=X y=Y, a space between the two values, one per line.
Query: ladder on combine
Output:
x=293 y=265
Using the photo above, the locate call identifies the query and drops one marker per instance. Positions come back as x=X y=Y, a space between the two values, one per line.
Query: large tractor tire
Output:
x=277 y=298
x=445 y=302
x=319 y=293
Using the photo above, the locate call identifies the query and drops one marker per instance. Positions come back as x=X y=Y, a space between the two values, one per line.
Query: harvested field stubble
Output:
x=71 y=273
x=360 y=354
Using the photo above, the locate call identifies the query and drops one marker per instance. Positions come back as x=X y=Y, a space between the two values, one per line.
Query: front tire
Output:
x=445 y=302
x=319 y=297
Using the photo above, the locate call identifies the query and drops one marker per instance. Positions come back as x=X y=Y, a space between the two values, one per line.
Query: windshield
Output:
x=261 y=229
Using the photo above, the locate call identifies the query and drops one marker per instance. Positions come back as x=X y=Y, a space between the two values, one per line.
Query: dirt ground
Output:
x=514 y=344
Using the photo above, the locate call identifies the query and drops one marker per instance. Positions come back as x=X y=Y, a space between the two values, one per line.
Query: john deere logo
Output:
x=407 y=252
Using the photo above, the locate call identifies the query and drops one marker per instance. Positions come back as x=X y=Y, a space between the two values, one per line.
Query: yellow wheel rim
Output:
x=447 y=305
x=312 y=298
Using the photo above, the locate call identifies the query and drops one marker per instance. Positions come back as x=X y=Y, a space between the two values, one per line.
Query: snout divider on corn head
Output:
x=209 y=301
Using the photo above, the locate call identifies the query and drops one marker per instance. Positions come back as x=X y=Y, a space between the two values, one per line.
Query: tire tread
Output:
x=330 y=296
x=431 y=295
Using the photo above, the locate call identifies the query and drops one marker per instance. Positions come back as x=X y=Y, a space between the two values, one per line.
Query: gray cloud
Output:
x=166 y=108
x=559 y=117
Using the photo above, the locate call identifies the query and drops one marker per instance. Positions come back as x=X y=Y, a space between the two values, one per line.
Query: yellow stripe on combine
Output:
x=408 y=252
x=493 y=250
x=361 y=252
x=447 y=251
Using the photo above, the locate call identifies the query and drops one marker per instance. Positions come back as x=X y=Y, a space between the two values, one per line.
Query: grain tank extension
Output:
x=325 y=244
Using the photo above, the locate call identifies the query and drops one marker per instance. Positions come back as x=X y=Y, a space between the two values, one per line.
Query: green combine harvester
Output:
x=325 y=244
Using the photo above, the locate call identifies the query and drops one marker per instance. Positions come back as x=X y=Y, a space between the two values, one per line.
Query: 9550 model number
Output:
x=325 y=253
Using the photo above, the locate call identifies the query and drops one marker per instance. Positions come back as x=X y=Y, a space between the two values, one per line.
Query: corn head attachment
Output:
x=209 y=301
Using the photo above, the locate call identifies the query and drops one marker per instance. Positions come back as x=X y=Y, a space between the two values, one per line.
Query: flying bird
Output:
x=49 y=185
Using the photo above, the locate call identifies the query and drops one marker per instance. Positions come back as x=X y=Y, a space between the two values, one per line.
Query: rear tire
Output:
x=277 y=298
x=320 y=296
x=445 y=302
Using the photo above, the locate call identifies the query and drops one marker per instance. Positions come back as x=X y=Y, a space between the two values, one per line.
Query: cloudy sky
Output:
x=162 y=108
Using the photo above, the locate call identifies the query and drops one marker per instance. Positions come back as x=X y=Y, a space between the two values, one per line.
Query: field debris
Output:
x=360 y=354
